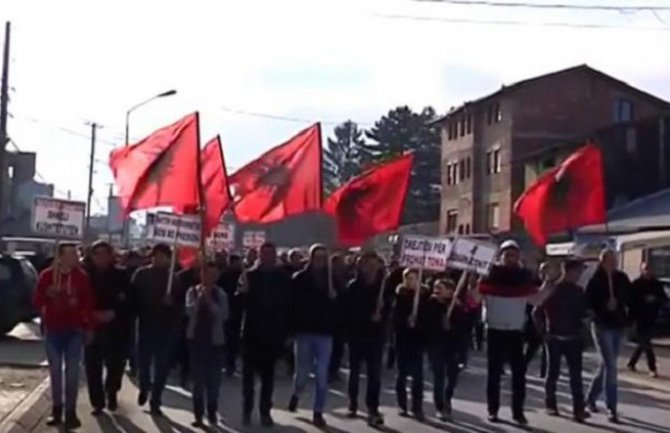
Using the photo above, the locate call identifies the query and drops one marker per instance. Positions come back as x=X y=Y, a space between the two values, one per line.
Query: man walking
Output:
x=111 y=339
x=160 y=318
x=607 y=293
x=563 y=313
x=313 y=298
x=647 y=299
x=264 y=301
x=64 y=299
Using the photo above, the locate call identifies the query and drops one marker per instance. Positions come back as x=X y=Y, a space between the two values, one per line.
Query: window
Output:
x=493 y=216
x=461 y=170
x=631 y=141
x=455 y=174
x=468 y=168
x=623 y=110
x=497 y=113
x=449 y=177
x=467 y=229
x=468 y=124
x=462 y=126
x=493 y=163
x=460 y=229
x=452 y=220
x=547 y=163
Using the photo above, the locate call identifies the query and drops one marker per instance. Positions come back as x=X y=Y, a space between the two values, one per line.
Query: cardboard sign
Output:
x=470 y=255
x=223 y=237
x=184 y=230
x=58 y=218
x=425 y=253
x=253 y=239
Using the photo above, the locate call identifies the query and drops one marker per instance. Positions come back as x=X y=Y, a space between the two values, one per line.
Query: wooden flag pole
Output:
x=173 y=259
x=417 y=294
x=462 y=282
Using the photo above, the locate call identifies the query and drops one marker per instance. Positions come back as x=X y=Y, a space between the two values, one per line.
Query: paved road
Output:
x=645 y=405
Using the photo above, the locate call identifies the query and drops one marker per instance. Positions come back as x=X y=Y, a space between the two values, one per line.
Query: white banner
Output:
x=58 y=218
x=186 y=229
x=253 y=239
x=223 y=237
x=424 y=252
x=469 y=255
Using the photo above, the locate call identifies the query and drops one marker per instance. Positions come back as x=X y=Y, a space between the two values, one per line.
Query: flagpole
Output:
x=201 y=195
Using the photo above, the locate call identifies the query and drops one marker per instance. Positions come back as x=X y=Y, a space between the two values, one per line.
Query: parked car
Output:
x=17 y=282
x=663 y=321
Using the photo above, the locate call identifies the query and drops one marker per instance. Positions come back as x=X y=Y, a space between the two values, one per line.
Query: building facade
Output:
x=486 y=143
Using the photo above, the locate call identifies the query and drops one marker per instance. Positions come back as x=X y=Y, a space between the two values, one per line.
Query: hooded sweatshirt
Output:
x=314 y=311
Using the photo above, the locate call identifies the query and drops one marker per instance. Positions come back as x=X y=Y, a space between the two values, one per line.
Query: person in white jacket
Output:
x=207 y=309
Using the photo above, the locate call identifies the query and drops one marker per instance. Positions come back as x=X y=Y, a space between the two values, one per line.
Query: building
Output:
x=20 y=193
x=485 y=142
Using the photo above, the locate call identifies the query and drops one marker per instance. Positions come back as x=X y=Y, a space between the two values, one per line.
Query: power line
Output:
x=284 y=118
x=568 y=6
x=65 y=130
x=518 y=23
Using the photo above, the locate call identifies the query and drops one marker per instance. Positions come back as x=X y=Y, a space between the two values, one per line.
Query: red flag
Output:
x=162 y=169
x=214 y=183
x=567 y=197
x=371 y=203
x=284 y=181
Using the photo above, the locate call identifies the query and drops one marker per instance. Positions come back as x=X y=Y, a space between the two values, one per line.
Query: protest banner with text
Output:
x=424 y=252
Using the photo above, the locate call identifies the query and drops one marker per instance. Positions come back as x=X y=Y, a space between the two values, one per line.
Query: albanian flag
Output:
x=160 y=170
x=372 y=202
x=567 y=197
x=214 y=183
x=284 y=181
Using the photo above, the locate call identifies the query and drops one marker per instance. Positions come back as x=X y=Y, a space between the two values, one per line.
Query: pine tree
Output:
x=344 y=155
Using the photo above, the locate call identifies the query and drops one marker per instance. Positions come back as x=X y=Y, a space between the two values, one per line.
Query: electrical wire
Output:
x=284 y=118
x=568 y=6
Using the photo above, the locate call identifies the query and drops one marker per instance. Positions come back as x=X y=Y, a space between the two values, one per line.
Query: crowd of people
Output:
x=112 y=311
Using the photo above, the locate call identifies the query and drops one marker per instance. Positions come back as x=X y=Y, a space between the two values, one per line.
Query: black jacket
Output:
x=598 y=294
x=111 y=289
x=402 y=310
x=434 y=313
x=150 y=286
x=646 y=300
x=265 y=308
x=359 y=305
x=314 y=312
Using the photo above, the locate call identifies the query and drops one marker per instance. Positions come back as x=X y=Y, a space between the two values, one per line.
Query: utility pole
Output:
x=4 y=100
x=89 y=196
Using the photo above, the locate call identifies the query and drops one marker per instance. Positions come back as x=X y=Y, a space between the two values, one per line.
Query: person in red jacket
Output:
x=64 y=299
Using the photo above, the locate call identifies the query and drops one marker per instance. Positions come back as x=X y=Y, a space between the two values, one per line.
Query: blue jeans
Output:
x=608 y=343
x=155 y=349
x=312 y=352
x=64 y=347
x=206 y=363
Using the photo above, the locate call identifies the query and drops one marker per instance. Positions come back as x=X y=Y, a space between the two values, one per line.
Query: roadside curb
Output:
x=28 y=414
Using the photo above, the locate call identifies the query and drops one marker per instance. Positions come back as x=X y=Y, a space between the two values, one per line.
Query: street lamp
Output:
x=136 y=106
x=126 y=225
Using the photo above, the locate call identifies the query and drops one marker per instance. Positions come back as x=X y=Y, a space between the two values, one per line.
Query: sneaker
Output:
x=142 y=398
x=267 y=421
x=403 y=413
x=198 y=424
x=97 y=411
x=442 y=416
x=520 y=419
x=112 y=402
x=56 y=417
x=156 y=412
x=293 y=404
x=552 y=411
x=71 y=421
x=246 y=419
x=213 y=420
x=653 y=374
x=352 y=412
x=375 y=420
x=318 y=420
x=493 y=418
x=581 y=416
x=593 y=408
x=632 y=368
x=613 y=417
x=419 y=416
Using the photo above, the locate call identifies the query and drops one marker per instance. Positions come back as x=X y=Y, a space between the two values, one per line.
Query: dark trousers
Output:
x=371 y=352
x=155 y=348
x=572 y=351
x=106 y=352
x=645 y=346
x=259 y=361
x=206 y=361
x=410 y=364
x=478 y=334
x=182 y=356
x=535 y=343
x=445 y=358
x=505 y=347
x=336 y=356
x=233 y=340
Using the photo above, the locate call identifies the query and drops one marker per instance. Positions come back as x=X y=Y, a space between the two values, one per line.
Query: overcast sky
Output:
x=327 y=60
